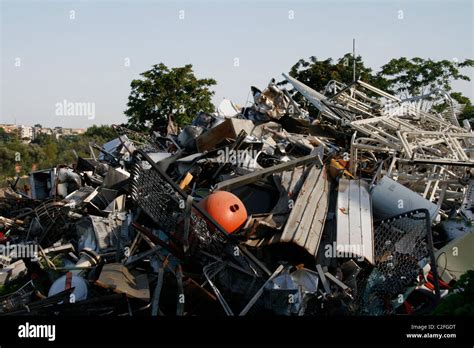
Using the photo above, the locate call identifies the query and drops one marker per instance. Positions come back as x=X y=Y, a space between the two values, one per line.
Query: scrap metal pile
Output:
x=255 y=210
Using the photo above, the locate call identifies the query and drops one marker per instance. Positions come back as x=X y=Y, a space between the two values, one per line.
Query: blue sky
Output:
x=83 y=59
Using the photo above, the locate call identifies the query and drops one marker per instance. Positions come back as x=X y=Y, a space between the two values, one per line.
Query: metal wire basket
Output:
x=173 y=211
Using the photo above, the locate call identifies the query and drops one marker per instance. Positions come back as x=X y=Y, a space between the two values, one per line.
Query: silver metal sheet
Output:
x=355 y=234
x=390 y=198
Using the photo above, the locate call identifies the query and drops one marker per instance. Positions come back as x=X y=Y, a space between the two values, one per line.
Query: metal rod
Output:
x=156 y=295
x=181 y=298
x=353 y=60
x=260 y=291
x=221 y=298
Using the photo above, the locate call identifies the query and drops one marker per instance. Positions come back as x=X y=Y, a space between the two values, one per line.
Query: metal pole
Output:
x=353 y=60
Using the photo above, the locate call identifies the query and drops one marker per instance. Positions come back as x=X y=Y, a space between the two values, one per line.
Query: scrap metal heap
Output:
x=262 y=209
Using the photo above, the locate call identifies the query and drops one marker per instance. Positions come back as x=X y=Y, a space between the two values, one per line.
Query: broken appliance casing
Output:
x=391 y=198
x=43 y=183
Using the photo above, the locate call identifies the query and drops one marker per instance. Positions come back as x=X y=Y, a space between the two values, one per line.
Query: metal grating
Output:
x=163 y=201
x=403 y=246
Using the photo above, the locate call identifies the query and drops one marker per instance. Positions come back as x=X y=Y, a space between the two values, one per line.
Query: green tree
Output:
x=460 y=98
x=46 y=151
x=4 y=136
x=418 y=76
x=7 y=164
x=51 y=151
x=164 y=92
x=43 y=139
x=104 y=132
x=467 y=113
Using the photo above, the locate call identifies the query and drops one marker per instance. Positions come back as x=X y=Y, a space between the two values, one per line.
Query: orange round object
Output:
x=226 y=208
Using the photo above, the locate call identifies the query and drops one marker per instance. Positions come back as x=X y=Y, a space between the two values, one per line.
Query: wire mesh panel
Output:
x=403 y=246
x=169 y=207
x=51 y=218
x=174 y=212
x=140 y=141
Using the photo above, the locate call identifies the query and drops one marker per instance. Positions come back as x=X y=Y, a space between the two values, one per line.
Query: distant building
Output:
x=48 y=131
x=79 y=131
x=30 y=133
x=9 y=128
x=73 y=131
x=39 y=131
x=59 y=131
x=26 y=133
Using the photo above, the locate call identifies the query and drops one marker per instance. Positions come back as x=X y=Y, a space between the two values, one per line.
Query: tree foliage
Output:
x=467 y=113
x=46 y=151
x=164 y=92
x=461 y=299
x=318 y=73
x=4 y=136
x=103 y=132
x=412 y=77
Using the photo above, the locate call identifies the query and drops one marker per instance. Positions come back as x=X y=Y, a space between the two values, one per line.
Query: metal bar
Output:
x=157 y=293
x=260 y=291
x=221 y=299
x=133 y=259
x=187 y=222
x=181 y=298
x=157 y=240
x=434 y=268
x=436 y=161
x=254 y=259
x=379 y=91
x=353 y=59
x=336 y=281
x=230 y=264
x=322 y=276
x=257 y=175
